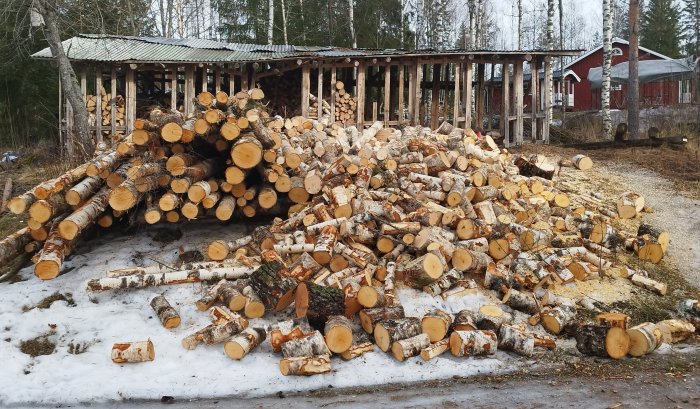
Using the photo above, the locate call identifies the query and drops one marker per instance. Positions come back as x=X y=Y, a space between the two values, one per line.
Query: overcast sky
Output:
x=590 y=10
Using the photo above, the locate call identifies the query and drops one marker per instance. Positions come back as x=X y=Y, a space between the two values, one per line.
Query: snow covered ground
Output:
x=100 y=319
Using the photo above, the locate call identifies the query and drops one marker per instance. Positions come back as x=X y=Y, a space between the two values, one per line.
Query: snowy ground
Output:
x=100 y=319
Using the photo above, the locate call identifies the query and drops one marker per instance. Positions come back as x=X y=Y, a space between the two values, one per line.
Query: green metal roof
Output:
x=127 y=49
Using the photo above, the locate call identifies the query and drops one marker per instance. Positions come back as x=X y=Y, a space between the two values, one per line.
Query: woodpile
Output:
x=360 y=213
x=345 y=104
x=104 y=116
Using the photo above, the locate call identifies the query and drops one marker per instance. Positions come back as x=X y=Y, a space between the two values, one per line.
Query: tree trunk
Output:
x=69 y=81
x=275 y=291
x=270 y=20
x=513 y=339
x=318 y=303
x=633 y=83
x=607 y=61
x=194 y=275
x=13 y=245
x=70 y=227
x=213 y=334
x=370 y=317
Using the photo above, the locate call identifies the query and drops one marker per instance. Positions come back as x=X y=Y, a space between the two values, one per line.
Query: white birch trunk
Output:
x=607 y=61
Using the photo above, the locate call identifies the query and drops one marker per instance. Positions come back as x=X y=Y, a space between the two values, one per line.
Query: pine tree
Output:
x=661 y=29
x=691 y=26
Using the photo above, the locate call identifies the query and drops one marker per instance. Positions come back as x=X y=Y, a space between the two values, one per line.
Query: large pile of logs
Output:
x=359 y=214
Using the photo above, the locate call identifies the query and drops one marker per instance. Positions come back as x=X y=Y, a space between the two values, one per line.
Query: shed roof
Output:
x=131 y=49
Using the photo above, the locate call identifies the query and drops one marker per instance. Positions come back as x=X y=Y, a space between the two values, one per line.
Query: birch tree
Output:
x=633 y=85
x=520 y=24
x=550 y=46
x=351 y=21
x=607 y=61
x=270 y=20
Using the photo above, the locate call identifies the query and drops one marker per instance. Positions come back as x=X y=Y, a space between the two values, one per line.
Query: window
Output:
x=616 y=51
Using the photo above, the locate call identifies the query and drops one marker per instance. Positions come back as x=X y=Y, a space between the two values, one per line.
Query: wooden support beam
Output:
x=217 y=79
x=360 y=113
x=83 y=83
x=468 y=94
x=491 y=94
x=244 y=77
x=518 y=83
x=387 y=94
x=534 y=79
x=547 y=101
x=456 y=98
x=173 y=88
x=112 y=106
x=374 y=111
x=305 y=89
x=205 y=79
x=130 y=99
x=332 y=91
x=419 y=93
x=98 y=104
x=411 y=92
x=319 y=95
x=435 y=96
x=231 y=82
x=481 y=73
x=401 y=92
x=505 y=105
x=189 y=89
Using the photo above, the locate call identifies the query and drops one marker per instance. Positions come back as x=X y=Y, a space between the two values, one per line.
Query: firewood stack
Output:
x=361 y=214
x=105 y=116
x=345 y=104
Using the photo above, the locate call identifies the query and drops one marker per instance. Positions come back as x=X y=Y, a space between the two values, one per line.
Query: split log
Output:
x=318 y=303
x=309 y=345
x=285 y=331
x=165 y=312
x=629 y=205
x=389 y=331
x=444 y=283
x=511 y=338
x=141 y=351
x=644 y=339
x=370 y=317
x=305 y=365
x=661 y=237
x=675 y=330
x=473 y=343
x=214 y=334
x=275 y=291
x=421 y=271
x=241 y=344
x=338 y=333
x=464 y=321
x=651 y=285
x=435 y=323
x=555 y=319
x=406 y=348
x=435 y=349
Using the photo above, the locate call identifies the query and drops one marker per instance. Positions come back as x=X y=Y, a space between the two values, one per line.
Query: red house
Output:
x=584 y=98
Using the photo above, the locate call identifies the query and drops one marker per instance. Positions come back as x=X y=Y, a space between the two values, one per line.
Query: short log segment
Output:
x=370 y=317
x=464 y=321
x=70 y=227
x=318 y=303
x=436 y=349
x=241 y=344
x=555 y=319
x=52 y=255
x=520 y=301
x=230 y=296
x=287 y=330
x=491 y=317
x=210 y=296
x=473 y=343
x=214 y=334
x=338 y=333
x=305 y=365
x=83 y=190
x=675 y=330
x=511 y=338
x=309 y=345
x=644 y=339
x=276 y=292
x=651 y=285
x=390 y=331
x=603 y=341
x=421 y=271
x=406 y=348
x=436 y=324
x=165 y=312
x=141 y=351
x=444 y=283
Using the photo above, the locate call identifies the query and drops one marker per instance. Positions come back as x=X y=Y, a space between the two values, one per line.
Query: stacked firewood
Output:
x=361 y=213
x=345 y=104
x=105 y=116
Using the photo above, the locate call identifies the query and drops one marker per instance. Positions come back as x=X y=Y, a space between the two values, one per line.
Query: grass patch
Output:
x=41 y=345
x=10 y=223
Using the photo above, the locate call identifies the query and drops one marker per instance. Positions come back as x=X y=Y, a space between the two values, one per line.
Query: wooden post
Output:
x=411 y=92
x=205 y=79
x=333 y=90
x=468 y=94
x=374 y=111
x=98 y=104
x=435 y=96
x=534 y=77
x=130 y=99
x=83 y=83
x=518 y=101
x=455 y=108
x=112 y=106
x=360 y=95
x=401 y=92
x=305 y=89
x=547 y=101
x=173 y=88
x=505 y=105
x=189 y=89
x=217 y=79
x=61 y=146
x=481 y=72
x=319 y=96
x=419 y=91
x=489 y=100
x=231 y=82
x=387 y=94
x=244 y=77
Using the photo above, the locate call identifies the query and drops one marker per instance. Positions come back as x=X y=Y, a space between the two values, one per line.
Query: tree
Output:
x=620 y=10
x=691 y=26
x=633 y=86
x=661 y=30
x=607 y=61
x=550 y=46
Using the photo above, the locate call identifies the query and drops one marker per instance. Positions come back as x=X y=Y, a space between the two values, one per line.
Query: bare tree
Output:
x=270 y=20
x=550 y=46
x=633 y=85
x=607 y=61
x=351 y=10
x=284 y=23
x=69 y=81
